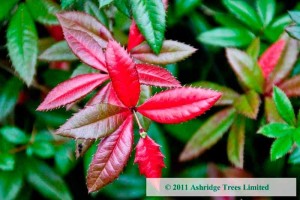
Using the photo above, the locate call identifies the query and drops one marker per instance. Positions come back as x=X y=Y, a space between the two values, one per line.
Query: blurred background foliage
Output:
x=36 y=164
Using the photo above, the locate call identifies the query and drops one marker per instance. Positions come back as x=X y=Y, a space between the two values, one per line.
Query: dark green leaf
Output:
x=179 y=131
x=123 y=6
x=6 y=7
x=183 y=7
x=228 y=20
x=64 y=157
x=244 y=12
x=248 y=104
x=294 y=31
x=67 y=3
x=103 y=3
x=45 y=180
x=280 y=147
x=150 y=19
x=83 y=69
x=9 y=94
x=266 y=10
x=284 y=106
x=227 y=37
x=246 y=70
x=14 y=135
x=236 y=142
x=58 y=52
x=22 y=44
x=208 y=134
x=144 y=95
x=295 y=156
x=7 y=161
x=92 y=9
x=276 y=130
x=295 y=15
x=43 y=11
x=228 y=95
x=10 y=184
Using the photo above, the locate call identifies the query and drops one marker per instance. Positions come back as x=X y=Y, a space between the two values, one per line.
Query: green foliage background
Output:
x=35 y=164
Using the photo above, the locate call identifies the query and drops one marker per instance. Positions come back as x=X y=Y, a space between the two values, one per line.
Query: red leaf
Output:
x=56 y=32
x=111 y=157
x=155 y=75
x=123 y=74
x=106 y=95
x=85 y=23
x=178 y=105
x=71 y=90
x=149 y=158
x=86 y=48
x=94 y=122
x=135 y=37
x=291 y=87
x=270 y=57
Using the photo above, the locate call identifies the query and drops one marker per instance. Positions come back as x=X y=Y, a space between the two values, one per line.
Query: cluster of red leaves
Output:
x=109 y=114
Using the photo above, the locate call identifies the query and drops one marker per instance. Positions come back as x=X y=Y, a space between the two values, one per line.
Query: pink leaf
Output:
x=178 y=105
x=123 y=74
x=291 y=87
x=135 y=37
x=71 y=90
x=111 y=157
x=270 y=57
x=106 y=95
x=94 y=122
x=86 y=48
x=85 y=23
x=149 y=159
x=155 y=75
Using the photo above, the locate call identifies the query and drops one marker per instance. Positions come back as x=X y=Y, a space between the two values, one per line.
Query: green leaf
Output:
x=296 y=136
x=294 y=31
x=275 y=29
x=41 y=149
x=10 y=184
x=123 y=6
x=64 y=157
x=280 y=147
x=144 y=95
x=284 y=106
x=59 y=51
x=227 y=20
x=276 y=130
x=244 y=12
x=6 y=7
x=236 y=142
x=9 y=94
x=179 y=131
x=14 y=135
x=227 y=37
x=150 y=19
x=92 y=9
x=22 y=44
x=248 y=104
x=254 y=48
x=183 y=7
x=246 y=70
x=295 y=156
x=271 y=111
x=67 y=3
x=7 y=161
x=295 y=15
x=103 y=3
x=208 y=134
x=228 y=95
x=266 y=10
x=43 y=11
x=83 y=69
x=45 y=180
